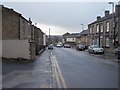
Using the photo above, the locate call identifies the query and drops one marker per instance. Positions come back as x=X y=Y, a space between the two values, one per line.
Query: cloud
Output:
x=54 y=30
x=57 y=0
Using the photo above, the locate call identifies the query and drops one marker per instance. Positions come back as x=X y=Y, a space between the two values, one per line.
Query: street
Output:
x=83 y=70
x=62 y=68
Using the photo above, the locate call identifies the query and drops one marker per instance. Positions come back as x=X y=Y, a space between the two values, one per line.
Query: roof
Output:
x=73 y=35
x=15 y=12
x=84 y=32
x=104 y=18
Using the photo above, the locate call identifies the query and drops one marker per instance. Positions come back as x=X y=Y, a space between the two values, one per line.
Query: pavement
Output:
x=0 y=73
x=28 y=75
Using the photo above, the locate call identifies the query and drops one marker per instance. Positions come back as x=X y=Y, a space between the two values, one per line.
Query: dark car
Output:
x=117 y=53
x=80 y=47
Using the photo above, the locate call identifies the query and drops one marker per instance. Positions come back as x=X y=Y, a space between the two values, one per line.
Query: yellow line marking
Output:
x=58 y=74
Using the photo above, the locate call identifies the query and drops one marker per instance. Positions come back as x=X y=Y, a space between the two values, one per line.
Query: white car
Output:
x=50 y=46
x=95 y=49
x=67 y=46
x=58 y=45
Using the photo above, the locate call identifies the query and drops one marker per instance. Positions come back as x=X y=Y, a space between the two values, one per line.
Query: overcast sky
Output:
x=60 y=17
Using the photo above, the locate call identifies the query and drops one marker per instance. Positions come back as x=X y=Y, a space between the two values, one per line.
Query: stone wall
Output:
x=0 y=31
x=10 y=24
x=118 y=13
x=25 y=28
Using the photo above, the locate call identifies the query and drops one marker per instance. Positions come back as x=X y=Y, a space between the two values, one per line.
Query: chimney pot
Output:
x=98 y=17
x=106 y=12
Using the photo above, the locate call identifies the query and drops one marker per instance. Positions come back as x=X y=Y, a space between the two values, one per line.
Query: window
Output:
x=107 y=42
x=101 y=28
x=97 y=28
x=108 y=26
x=90 y=30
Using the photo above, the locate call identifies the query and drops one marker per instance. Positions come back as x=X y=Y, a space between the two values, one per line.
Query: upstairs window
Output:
x=97 y=28
x=108 y=26
x=90 y=30
x=101 y=27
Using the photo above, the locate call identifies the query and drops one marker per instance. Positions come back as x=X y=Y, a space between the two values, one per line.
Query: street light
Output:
x=113 y=16
x=112 y=6
x=49 y=36
x=82 y=26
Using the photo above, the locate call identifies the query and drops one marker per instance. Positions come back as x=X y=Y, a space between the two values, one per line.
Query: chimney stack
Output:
x=30 y=21
x=107 y=12
x=98 y=17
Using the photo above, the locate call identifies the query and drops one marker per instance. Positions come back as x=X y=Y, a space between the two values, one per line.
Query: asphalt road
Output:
x=83 y=70
x=62 y=67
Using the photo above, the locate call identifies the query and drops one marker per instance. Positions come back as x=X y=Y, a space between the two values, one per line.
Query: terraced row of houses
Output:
x=20 y=37
x=105 y=32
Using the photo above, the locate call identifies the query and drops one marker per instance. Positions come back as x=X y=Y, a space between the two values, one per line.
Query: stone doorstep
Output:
x=17 y=60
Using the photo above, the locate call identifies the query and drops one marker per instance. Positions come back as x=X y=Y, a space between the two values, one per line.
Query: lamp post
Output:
x=113 y=24
x=49 y=36
x=82 y=26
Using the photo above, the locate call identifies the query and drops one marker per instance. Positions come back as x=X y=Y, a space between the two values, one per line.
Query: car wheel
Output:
x=89 y=51
x=103 y=52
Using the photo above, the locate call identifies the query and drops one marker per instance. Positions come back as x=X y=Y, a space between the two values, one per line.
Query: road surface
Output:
x=83 y=70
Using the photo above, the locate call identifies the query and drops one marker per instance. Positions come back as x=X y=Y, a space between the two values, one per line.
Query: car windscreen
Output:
x=118 y=48
x=95 y=46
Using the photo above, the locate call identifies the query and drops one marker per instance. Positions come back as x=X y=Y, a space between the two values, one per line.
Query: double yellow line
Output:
x=58 y=75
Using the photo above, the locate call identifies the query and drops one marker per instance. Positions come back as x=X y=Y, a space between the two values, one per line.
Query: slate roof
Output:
x=73 y=35
x=84 y=32
x=104 y=18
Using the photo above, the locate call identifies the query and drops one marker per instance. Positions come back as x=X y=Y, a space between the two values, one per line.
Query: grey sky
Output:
x=67 y=15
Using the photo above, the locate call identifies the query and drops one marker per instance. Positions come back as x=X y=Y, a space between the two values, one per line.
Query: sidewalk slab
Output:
x=28 y=75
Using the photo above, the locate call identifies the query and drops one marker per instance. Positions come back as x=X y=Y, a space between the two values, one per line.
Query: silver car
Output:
x=95 y=49
x=50 y=46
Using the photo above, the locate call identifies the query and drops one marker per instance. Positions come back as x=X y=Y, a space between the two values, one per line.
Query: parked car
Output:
x=117 y=53
x=80 y=47
x=58 y=45
x=95 y=49
x=67 y=46
x=50 y=46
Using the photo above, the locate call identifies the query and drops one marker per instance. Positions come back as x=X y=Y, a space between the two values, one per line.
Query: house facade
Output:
x=105 y=30
x=83 y=38
x=0 y=32
x=39 y=39
x=70 y=38
x=64 y=37
x=17 y=36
